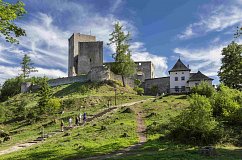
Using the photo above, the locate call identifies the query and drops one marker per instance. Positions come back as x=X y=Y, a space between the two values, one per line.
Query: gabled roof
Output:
x=179 y=66
x=199 y=77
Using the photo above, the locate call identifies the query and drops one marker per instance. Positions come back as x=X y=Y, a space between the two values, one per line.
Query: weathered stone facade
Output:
x=79 y=49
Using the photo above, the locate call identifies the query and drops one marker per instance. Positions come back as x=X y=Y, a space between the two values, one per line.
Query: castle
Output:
x=86 y=54
x=85 y=63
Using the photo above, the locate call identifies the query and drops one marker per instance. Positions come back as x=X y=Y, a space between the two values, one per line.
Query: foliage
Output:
x=227 y=104
x=137 y=82
x=204 y=88
x=154 y=89
x=238 y=32
x=45 y=95
x=195 y=124
x=11 y=87
x=230 y=71
x=27 y=66
x=9 y=13
x=54 y=105
x=139 y=90
x=124 y=65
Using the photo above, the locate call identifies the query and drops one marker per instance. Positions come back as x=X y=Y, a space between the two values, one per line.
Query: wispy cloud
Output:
x=215 y=17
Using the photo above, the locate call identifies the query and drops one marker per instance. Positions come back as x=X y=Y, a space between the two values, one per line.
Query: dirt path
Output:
x=41 y=139
x=141 y=128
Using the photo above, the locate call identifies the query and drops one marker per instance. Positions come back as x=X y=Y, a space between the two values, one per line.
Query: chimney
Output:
x=188 y=66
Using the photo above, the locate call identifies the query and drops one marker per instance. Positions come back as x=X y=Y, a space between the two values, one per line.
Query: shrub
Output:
x=204 y=88
x=54 y=104
x=195 y=125
x=227 y=104
x=140 y=91
x=154 y=89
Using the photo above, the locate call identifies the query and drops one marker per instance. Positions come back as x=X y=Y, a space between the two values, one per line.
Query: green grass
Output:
x=86 y=141
x=158 y=147
x=74 y=102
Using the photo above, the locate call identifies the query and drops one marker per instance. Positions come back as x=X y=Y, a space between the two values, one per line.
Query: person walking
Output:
x=77 y=121
x=80 y=118
x=62 y=126
x=84 y=118
x=70 y=122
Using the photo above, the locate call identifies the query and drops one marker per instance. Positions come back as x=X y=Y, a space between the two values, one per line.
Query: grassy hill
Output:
x=76 y=98
x=109 y=133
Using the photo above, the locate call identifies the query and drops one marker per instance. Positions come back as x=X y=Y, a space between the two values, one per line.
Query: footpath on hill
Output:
x=141 y=128
x=100 y=114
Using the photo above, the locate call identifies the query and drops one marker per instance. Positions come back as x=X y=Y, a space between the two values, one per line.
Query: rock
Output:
x=127 y=110
x=208 y=151
x=7 y=138
x=103 y=128
x=124 y=135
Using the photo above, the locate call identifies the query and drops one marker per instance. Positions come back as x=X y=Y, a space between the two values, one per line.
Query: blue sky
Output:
x=162 y=31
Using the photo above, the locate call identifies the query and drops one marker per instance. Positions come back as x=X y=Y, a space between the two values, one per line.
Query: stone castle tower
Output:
x=84 y=53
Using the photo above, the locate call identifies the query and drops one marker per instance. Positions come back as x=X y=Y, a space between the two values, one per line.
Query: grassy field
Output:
x=75 y=100
x=101 y=136
x=158 y=147
x=106 y=134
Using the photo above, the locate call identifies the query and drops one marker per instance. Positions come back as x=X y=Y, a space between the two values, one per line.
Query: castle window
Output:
x=139 y=64
x=176 y=73
x=90 y=60
x=176 y=78
x=182 y=72
x=176 y=88
x=183 y=88
x=183 y=78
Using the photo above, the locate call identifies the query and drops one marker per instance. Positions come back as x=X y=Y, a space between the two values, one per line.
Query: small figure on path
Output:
x=62 y=126
x=70 y=122
x=80 y=117
x=84 y=118
x=77 y=121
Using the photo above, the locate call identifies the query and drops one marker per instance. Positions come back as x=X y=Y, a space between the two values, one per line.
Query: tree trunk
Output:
x=124 y=85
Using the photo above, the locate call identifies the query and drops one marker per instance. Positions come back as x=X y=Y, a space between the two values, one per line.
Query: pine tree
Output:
x=124 y=65
x=230 y=72
x=45 y=94
x=27 y=66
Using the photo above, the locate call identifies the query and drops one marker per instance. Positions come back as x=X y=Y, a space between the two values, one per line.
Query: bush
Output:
x=140 y=91
x=54 y=104
x=154 y=89
x=204 y=88
x=195 y=125
x=227 y=104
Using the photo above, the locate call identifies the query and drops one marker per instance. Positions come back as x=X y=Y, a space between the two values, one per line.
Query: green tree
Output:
x=8 y=13
x=238 y=32
x=196 y=123
x=124 y=65
x=204 y=88
x=45 y=95
x=27 y=66
x=231 y=69
x=11 y=87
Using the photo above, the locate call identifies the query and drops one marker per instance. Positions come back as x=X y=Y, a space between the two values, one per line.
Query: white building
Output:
x=181 y=78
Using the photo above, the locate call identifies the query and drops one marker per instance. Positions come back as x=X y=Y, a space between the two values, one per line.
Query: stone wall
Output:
x=128 y=81
x=68 y=80
x=162 y=83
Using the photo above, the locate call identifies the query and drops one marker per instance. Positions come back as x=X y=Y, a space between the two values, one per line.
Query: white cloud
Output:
x=7 y=72
x=218 y=18
x=207 y=60
x=47 y=39
x=140 y=53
